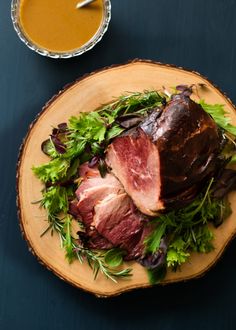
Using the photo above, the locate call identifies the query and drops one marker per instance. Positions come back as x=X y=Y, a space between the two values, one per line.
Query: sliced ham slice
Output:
x=110 y=217
x=116 y=218
x=93 y=189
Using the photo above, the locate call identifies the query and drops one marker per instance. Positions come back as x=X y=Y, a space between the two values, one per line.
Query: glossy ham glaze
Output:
x=162 y=162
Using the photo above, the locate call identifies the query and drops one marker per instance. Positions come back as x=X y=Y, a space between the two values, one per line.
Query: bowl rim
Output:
x=64 y=54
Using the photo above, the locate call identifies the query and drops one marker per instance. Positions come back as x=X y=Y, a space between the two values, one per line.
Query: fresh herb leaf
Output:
x=134 y=103
x=201 y=239
x=48 y=148
x=225 y=211
x=218 y=113
x=187 y=229
x=233 y=160
x=75 y=146
x=53 y=171
x=114 y=131
x=89 y=125
x=73 y=169
x=153 y=241
x=114 y=257
x=96 y=149
x=156 y=275
x=67 y=243
x=55 y=199
x=176 y=253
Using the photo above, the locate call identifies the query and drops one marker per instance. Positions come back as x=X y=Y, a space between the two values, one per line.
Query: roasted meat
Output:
x=162 y=162
x=158 y=165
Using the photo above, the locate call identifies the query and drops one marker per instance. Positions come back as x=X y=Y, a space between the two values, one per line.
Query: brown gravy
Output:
x=56 y=25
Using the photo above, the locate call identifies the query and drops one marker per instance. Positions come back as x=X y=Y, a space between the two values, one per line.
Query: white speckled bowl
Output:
x=15 y=5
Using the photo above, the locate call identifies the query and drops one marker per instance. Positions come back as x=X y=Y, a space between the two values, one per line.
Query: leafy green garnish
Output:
x=176 y=254
x=153 y=241
x=49 y=149
x=134 y=103
x=114 y=131
x=201 y=240
x=187 y=229
x=219 y=115
x=75 y=147
x=55 y=200
x=67 y=243
x=53 y=171
x=114 y=257
x=198 y=239
x=233 y=160
x=156 y=275
x=91 y=126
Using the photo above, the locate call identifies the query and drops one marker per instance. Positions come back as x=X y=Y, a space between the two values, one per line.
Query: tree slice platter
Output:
x=87 y=94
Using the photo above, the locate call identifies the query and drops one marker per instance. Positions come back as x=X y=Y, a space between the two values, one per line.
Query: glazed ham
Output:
x=156 y=166
x=163 y=161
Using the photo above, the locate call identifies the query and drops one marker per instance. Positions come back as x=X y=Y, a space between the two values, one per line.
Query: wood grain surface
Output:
x=88 y=94
x=199 y=35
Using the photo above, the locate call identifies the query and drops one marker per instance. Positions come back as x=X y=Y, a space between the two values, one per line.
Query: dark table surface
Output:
x=196 y=34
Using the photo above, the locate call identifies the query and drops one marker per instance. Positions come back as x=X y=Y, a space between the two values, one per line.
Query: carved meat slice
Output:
x=93 y=189
x=110 y=217
x=116 y=218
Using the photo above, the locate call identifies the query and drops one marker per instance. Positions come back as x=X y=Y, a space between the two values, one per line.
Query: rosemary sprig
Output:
x=94 y=258
x=134 y=102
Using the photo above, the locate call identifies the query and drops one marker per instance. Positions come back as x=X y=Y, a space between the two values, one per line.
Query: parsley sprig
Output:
x=219 y=115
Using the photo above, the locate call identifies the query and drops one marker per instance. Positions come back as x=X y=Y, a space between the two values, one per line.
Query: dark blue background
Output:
x=198 y=34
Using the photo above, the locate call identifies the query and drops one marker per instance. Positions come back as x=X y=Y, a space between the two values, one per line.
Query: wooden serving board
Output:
x=87 y=94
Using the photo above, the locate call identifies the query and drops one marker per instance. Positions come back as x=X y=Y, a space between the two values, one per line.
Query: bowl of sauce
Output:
x=57 y=29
